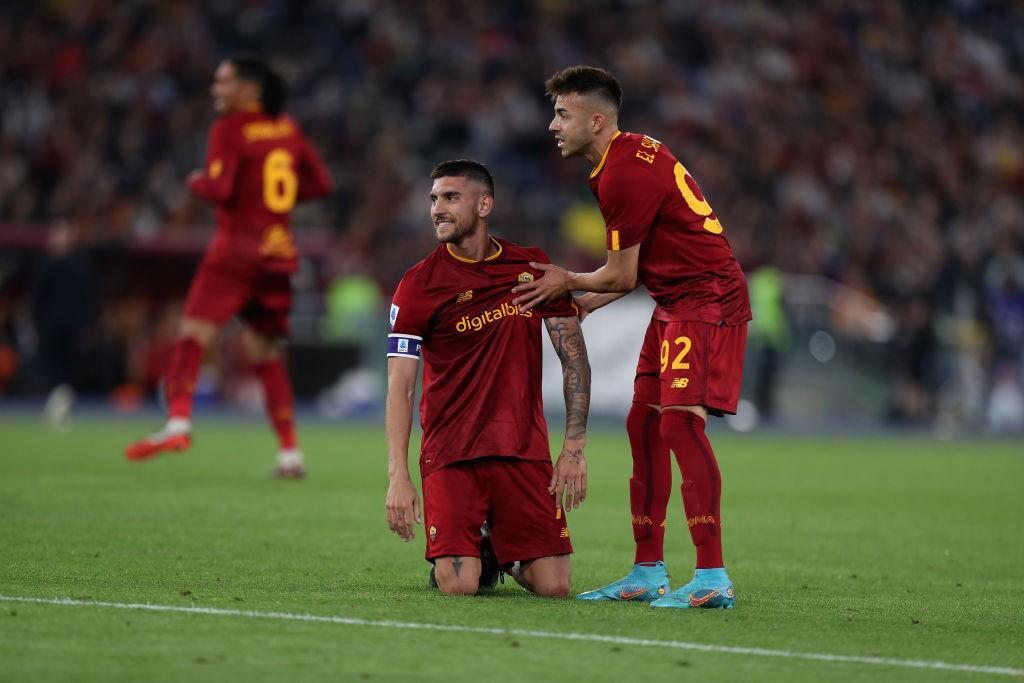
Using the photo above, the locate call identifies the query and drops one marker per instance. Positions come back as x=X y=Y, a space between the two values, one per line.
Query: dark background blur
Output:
x=866 y=159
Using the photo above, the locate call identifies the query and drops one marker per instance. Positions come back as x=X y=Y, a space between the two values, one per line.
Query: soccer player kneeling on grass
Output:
x=258 y=166
x=484 y=457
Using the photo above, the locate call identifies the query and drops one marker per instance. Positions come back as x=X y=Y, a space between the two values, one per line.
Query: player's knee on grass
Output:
x=549 y=577
x=457 y=575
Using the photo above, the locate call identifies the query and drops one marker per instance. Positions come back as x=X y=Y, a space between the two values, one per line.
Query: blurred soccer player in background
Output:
x=64 y=303
x=258 y=165
x=662 y=233
x=484 y=456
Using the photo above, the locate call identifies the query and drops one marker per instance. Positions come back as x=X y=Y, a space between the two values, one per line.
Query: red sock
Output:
x=277 y=388
x=683 y=431
x=180 y=378
x=651 y=484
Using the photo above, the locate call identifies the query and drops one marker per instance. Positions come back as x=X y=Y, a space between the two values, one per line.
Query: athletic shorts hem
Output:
x=452 y=551
x=529 y=556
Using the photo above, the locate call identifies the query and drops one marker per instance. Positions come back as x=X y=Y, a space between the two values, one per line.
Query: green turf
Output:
x=901 y=548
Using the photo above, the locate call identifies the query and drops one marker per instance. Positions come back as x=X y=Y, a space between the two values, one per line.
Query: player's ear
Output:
x=484 y=205
x=597 y=122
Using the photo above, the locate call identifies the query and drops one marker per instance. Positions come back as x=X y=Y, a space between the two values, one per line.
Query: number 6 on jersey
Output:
x=280 y=184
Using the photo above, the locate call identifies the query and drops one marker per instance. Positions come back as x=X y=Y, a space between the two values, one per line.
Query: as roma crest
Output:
x=525 y=277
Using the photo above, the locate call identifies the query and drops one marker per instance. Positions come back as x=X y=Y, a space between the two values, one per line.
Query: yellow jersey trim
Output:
x=600 y=164
x=615 y=240
x=470 y=260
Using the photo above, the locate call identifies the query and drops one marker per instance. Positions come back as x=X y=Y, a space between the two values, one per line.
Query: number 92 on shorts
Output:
x=691 y=363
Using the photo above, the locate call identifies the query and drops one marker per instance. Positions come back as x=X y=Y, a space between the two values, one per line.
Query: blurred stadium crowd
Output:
x=876 y=145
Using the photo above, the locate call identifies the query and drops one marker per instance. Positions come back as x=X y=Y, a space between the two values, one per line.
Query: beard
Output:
x=458 y=231
x=572 y=146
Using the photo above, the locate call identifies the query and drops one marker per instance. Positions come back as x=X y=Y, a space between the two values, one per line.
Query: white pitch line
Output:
x=526 y=633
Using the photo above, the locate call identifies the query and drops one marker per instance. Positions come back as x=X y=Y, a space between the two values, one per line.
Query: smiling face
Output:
x=575 y=124
x=458 y=206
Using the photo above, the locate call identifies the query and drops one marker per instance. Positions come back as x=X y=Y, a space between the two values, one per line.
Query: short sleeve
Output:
x=563 y=306
x=630 y=197
x=217 y=182
x=408 y=321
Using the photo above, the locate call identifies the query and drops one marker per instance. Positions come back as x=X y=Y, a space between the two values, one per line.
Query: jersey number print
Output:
x=280 y=184
x=695 y=199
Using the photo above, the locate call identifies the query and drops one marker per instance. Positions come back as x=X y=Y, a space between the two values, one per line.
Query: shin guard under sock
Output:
x=180 y=378
x=651 y=483
x=277 y=388
x=683 y=431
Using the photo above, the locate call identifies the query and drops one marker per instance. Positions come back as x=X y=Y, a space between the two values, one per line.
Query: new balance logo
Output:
x=464 y=297
x=680 y=382
x=564 y=533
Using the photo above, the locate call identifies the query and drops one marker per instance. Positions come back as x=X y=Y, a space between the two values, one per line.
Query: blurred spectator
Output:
x=1004 y=278
x=882 y=142
x=769 y=335
x=353 y=304
x=913 y=363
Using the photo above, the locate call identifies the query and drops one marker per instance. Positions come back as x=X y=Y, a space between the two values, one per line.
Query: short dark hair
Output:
x=273 y=91
x=464 y=168
x=585 y=80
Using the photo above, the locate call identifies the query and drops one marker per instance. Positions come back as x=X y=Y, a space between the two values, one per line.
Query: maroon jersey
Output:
x=257 y=168
x=648 y=198
x=481 y=355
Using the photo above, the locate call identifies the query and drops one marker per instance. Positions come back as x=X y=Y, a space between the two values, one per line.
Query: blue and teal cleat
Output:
x=645 y=582
x=710 y=589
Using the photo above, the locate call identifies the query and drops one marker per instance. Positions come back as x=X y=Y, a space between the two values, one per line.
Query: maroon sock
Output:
x=277 y=388
x=651 y=484
x=180 y=378
x=683 y=431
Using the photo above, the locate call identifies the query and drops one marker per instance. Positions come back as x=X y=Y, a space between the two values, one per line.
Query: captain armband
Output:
x=404 y=345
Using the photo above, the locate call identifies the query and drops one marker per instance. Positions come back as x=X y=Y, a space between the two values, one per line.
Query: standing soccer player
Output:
x=484 y=456
x=662 y=233
x=258 y=165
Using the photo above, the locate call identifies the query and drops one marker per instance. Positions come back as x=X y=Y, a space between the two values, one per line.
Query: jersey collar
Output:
x=470 y=260
x=600 y=164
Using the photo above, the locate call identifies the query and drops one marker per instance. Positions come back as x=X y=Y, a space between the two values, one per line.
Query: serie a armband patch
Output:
x=404 y=345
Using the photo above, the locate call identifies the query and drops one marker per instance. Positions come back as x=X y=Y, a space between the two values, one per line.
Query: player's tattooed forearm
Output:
x=567 y=338
x=576 y=387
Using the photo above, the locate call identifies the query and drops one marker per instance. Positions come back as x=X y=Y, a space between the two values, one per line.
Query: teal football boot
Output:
x=710 y=589
x=645 y=582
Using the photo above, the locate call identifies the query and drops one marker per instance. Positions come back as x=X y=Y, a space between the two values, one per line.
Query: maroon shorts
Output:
x=510 y=494
x=691 y=364
x=261 y=299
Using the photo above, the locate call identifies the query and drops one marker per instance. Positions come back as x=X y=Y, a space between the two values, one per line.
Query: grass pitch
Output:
x=895 y=548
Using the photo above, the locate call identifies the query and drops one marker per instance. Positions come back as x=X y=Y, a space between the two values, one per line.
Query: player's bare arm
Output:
x=618 y=275
x=569 y=481
x=591 y=301
x=403 y=501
